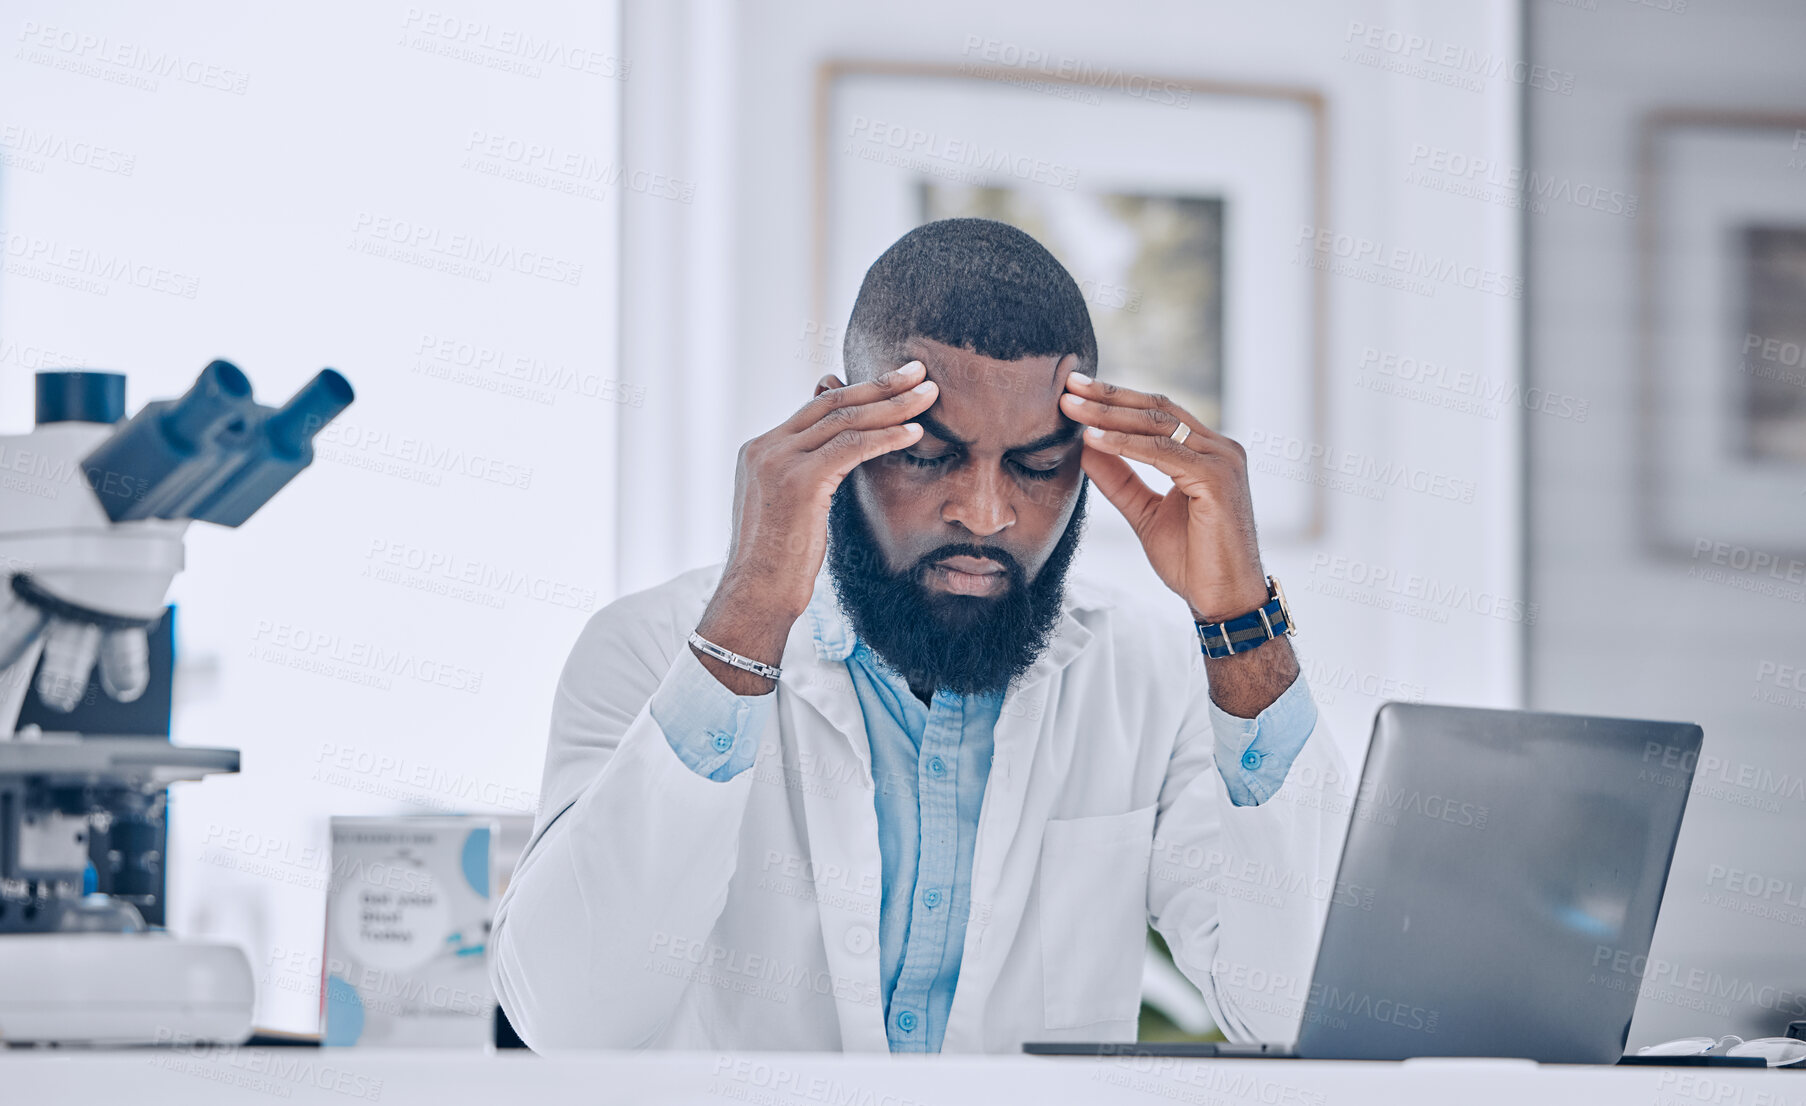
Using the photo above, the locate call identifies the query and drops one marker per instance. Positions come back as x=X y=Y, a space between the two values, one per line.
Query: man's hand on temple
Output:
x=783 y=486
x=1199 y=536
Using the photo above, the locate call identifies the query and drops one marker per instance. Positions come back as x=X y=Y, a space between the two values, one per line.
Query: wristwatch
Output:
x=1252 y=630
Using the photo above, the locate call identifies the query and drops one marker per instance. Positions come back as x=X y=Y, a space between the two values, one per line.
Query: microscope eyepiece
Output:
x=218 y=394
x=214 y=454
x=317 y=403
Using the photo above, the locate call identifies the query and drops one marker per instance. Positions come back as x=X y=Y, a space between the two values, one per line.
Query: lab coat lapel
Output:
x=815 y=671
x=841 y=819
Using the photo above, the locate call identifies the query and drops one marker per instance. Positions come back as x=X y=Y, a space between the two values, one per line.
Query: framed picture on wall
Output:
x=1722 y=439
x=1176 y=205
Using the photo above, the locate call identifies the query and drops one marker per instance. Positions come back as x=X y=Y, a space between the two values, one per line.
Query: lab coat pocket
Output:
x=1094 y=916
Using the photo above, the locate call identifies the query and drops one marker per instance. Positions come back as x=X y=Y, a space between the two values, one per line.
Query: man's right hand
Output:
x=784 y=483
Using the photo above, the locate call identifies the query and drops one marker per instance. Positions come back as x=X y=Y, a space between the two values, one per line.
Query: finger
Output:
x=900 y=379
x=888 y=411
x=1181 y=462
x=1117 y=480
x=1106 y=392
x=1153 y=421
x=849 y=449
x=1115 y=395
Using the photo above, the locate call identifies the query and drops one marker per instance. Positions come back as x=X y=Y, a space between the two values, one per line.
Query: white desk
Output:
x=346 y=1077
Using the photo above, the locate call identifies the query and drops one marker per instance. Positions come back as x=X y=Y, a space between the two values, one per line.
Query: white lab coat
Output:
x=657 y=908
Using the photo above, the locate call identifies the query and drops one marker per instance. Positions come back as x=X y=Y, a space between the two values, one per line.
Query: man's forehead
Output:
x=953 y=367
x=992 y=402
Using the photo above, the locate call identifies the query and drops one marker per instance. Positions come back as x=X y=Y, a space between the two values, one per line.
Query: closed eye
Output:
x=1032 y=473
x=927 y=462
x=1027 y=472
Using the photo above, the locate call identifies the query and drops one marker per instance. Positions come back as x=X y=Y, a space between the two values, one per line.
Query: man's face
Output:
x=950 y=557
x=997 y=467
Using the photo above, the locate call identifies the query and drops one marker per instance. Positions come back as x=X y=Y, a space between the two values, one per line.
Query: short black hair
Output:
x=975 y=284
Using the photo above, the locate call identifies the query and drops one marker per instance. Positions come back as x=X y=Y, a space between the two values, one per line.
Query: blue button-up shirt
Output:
x=929 y=766
x=930 y=762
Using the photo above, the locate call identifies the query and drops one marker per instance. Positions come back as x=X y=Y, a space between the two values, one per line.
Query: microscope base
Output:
x=122 y=989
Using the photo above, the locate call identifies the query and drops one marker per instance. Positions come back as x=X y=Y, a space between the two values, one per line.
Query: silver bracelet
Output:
x=728 y=656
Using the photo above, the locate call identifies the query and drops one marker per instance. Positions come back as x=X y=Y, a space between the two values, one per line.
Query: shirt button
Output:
x=723 y=742
x=906 y=1021
x=1250 y=760
x=937 y=765
x=858 y=939
x=932 y=898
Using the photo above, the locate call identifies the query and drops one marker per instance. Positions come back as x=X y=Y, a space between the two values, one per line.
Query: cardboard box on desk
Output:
x=407 y=925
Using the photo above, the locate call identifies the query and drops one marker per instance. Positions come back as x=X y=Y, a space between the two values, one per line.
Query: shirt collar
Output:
x=828 y=622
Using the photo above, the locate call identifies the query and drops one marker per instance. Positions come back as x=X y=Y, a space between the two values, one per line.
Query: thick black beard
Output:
x=966 y=644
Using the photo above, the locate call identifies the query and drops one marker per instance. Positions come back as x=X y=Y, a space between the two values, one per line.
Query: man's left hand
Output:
x=1200 y=535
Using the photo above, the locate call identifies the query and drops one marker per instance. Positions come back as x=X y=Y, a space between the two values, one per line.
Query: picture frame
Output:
x=1721 y=420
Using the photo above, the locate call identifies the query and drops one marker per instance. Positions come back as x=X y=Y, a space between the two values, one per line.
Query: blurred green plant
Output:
x=1164 y=1015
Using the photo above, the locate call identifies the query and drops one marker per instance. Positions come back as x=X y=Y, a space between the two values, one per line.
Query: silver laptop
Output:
x=1517 y=862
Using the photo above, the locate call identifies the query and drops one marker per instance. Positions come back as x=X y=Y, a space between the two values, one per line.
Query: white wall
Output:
x=258 y=196
x=489 y=478
x=759 y=63
x=1624 y=630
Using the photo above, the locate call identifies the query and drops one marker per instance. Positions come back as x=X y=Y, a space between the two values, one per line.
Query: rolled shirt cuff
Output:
x=713 y=731
x=1254 y=754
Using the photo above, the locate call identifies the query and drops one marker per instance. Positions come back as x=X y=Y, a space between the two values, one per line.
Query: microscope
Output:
x=93 y=509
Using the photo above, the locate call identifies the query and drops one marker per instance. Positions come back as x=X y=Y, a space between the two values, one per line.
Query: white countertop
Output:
x=202 y=1075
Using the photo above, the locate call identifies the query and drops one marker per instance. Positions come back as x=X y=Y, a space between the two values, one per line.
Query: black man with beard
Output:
x=887 y=778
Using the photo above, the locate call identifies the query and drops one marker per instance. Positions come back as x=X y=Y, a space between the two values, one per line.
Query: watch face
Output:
x=1285 y=608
